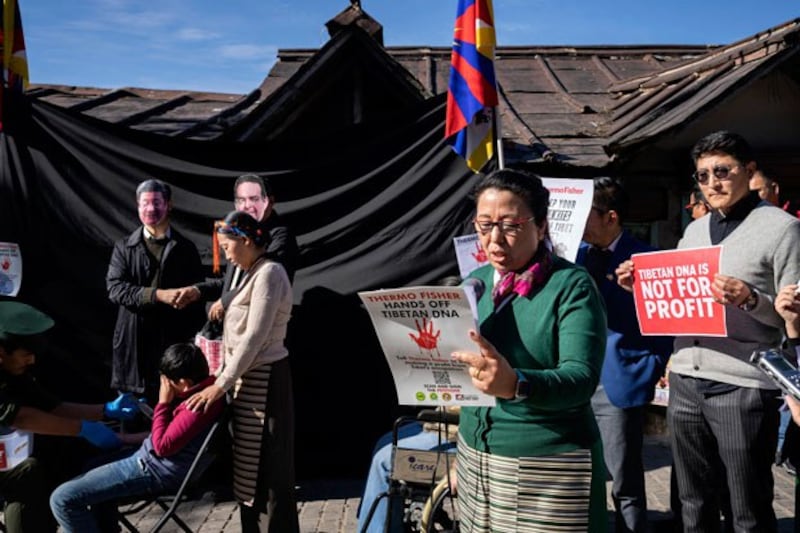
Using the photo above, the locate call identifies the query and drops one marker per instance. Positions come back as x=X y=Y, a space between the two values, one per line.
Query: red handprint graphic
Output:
x=427 y=339
x=479 y=254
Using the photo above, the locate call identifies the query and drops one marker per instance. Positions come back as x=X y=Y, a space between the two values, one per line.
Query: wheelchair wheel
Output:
x=439 y=513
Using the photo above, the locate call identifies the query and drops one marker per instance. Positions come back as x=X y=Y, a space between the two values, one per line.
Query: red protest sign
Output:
x=672 y=292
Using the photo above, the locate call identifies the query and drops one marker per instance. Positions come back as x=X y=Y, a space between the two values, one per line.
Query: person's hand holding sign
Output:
x=787 y=305
x=491 y=373
x=624 y=273
x=728 y=290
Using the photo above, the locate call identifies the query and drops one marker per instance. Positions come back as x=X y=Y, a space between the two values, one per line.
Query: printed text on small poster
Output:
x=672 y=292
x=418 y=328
x=10 y=269
x=570 y=203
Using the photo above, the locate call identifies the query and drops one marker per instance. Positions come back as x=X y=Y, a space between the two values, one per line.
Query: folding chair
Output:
x=169 y=503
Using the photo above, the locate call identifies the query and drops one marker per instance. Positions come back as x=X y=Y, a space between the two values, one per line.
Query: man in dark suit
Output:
x=144 y=273
x=633 y=363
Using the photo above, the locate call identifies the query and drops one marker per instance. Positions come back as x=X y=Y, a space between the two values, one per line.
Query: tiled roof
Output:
x=649 y=105
x=179 y=113
x=554 y=100
x=574 y=105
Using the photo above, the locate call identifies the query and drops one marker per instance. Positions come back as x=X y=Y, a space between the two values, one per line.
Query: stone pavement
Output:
x=330 y=506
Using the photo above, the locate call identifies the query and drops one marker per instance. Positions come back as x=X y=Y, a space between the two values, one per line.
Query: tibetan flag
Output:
x=13 y=64
x=472 y=92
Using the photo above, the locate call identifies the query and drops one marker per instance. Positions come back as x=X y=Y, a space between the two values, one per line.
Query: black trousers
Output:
x=733 y=434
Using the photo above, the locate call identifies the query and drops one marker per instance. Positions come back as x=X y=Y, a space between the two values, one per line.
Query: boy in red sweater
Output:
x=161 y=462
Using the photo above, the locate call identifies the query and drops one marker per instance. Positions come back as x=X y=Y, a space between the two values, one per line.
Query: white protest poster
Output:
x=570 y=203
x=469 y=254
x=418 y=328
x=10 y=269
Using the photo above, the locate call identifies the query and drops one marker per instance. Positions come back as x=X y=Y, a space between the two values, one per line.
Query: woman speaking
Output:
x=256 y=371
x=533 y=462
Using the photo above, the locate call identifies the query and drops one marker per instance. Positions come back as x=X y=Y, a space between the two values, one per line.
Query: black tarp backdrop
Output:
x=374 y=206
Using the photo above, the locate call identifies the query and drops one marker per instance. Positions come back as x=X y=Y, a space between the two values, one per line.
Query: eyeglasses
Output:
x=155 y=204
x=506 y=227
x=691 y=205
x=241 y=200
x=721 y=172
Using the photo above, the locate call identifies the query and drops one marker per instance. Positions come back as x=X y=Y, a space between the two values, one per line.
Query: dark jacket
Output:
x=282 y=248
x=144 y=329
x=633 y=363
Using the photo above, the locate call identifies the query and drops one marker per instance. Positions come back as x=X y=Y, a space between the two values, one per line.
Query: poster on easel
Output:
x=10 y=269
x=418 y=328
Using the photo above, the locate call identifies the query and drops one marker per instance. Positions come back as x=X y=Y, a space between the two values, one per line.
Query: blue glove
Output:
x=124 y=407
x=100 y=435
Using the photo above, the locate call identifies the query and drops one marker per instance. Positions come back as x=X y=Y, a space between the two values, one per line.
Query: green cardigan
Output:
x=556 y=337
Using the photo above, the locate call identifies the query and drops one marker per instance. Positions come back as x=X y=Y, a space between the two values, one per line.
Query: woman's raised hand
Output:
x=491 y=373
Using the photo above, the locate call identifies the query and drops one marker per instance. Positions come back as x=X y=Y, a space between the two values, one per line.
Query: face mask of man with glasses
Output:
x=252 y=198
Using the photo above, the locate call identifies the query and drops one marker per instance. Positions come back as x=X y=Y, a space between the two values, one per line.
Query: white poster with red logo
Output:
x=469 y=254
x=672 y=292
x=10 y=269
x=418 y=328
x=570 y=203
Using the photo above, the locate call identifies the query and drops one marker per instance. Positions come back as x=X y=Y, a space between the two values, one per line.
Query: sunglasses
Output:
x=721 y=172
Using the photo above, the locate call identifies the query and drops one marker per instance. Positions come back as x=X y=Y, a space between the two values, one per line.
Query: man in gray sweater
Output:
x=723 y=411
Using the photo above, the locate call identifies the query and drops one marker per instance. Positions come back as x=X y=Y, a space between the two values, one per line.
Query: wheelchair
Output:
x=420 y=479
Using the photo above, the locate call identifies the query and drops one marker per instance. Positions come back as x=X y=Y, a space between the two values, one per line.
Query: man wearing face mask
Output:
x=144 y=274
x=253 y=195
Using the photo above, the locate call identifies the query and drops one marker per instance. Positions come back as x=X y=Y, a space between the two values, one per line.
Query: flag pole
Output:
x=498 y=138
x=496 y=125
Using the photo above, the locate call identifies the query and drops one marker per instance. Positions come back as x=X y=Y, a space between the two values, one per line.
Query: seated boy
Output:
x=160 y=463
x=25 y=405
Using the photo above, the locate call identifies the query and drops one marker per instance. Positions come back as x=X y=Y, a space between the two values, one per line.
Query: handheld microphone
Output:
x=478 y=287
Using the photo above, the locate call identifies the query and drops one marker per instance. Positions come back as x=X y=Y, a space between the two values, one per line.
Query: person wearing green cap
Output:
x=27 y=406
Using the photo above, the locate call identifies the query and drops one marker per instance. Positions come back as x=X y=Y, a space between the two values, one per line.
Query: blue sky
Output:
x=229 y=46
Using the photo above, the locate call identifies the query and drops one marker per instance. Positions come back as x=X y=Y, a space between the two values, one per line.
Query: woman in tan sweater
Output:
x=256 y=373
